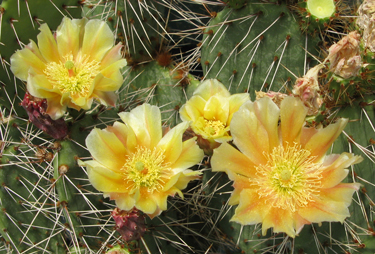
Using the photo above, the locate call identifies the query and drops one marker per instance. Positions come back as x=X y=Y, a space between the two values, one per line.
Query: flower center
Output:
x=290 y=179
x=210 y=128
x=146 y=168
x=73 y=76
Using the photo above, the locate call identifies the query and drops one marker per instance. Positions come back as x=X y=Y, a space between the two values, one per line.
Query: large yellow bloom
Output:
x=210 y=110
x=72 y=67
x=134 y=165
x=282 y=177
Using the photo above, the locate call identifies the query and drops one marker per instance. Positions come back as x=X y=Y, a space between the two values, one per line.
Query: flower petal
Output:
x=125 y=135
x=251 y=208
x=249 y=134
x=67 y=37
x=323 y=139
x=193 y=109
x=98 y=39
x=190 y=155
x=171 y=143
x=47 y=44
x=335 y=168
x=228 y=159
x=144 y=201
x=281 y=220
x=217 y=108
x=107 y=149
x=124 y=201
x=112 y=56
x=292 y=115
x=23 y=60
x=104 y=179
x=209 y=88
x=145 y=121
x=235 y=102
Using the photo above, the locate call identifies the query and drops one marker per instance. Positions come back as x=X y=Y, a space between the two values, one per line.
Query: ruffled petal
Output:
x=113 y=56
x=281 y=220
x=144 y=201
x=217 y=109
x=251 y=208
x=324 y=209
x=228 y=159
x=54 y=109
x=145 y=121
x=239 y=183
x=125 y=135
x=292 y=115
x=342 y=192
x=335 y=168
x=249 y=134
x=23 y=60
x=39 y=86
x=209 y=88
x=67 y=37
x=97 y=40
x=190 y=155
x=104 y=179
x=107 y=149
x=323 y=139
x=171 y=143
x=193 y=109
x=47 y=44
x=235 y=102
x=184 y=178
x=124 y=201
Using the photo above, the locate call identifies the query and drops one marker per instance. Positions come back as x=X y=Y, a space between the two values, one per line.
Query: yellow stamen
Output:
x=290 y=179
x=73 y=76
x=146 y=168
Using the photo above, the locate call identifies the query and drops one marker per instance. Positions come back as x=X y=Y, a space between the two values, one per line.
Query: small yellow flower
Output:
x=210 y=111
x=137 y=167
x=77 y=64
x=282 y=177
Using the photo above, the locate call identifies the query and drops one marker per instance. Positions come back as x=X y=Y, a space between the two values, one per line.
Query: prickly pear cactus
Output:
x=48 y=203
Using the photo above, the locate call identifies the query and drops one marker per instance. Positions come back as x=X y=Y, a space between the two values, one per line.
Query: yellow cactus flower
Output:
x=210 y=111
x=72 y=67
x=282 y=175
x=137 y=167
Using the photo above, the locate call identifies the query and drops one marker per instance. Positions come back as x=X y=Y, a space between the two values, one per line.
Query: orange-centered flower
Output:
x=137 y=167
x=77 y=64
x=282 y=177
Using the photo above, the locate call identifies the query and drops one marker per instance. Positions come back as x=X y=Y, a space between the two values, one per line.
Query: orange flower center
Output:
x=289 y=179
x=73 y=76
x=146 y=168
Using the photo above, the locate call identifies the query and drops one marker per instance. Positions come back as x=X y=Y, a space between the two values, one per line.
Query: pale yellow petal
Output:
x=54 y=108
x=171 y=143
x=144 y=201
x=67 y=37
x=342 y=192
x=210 y=87
x=228 y=159
x=47 y=44
x=240 y=183
x=145 y=121
x=335 y=168
x=104 y=179
x=98 y=39
x=249 y=134
x=251 y=208
x=323 y=139
x=324 y=209
x=193 y=109
x=235 y=102
x=39 y=86
x=217 y=108
x=112 y=71
x=105 y=98
x=23 y=60
x=124 y=201
x=292 y=115
x=107 y=149
x=112 y=56
x=125 y=135
x=281 y=220
x=190 y=155
x=184 y=178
